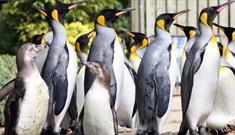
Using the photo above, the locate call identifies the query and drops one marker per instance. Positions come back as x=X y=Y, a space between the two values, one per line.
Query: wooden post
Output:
x=150 y=17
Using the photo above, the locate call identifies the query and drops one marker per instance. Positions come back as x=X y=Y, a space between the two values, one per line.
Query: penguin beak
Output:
x=220 y=27
x=179 y=26
x=130 y=34
x=91 y=33
x=221 y=7
x=41 y=10
x=176 y=15
x=123 y=11
x=74 y=5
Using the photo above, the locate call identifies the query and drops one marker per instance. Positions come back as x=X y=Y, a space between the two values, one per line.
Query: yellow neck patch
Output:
x=192 y=33
x=161 y=24
x=144 y=43
x=78 y=47
x=55 y=15
x=101 y=20
x=233 y=36
x=204 y=18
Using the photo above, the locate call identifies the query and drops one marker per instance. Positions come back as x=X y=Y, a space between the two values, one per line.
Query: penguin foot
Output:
x=47 y=131
x=221 y=131
x=202 y=130
x=192 y=132
x=63 y=131
x=141 y=132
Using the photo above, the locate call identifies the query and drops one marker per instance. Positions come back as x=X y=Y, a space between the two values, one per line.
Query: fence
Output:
x=143 y=17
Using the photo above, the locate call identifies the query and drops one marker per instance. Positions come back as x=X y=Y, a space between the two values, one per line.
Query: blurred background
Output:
x=19 y=22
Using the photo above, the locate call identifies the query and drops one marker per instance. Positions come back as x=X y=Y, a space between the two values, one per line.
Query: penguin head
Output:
x=38 y=39
x=189 y=31
x=27 y=52
x=165 y=20
x=133 y=49
x=208 y=14
x=139 y=39
x=106 y=16
x=228 y=31
x=58 y=11
x=82 y=42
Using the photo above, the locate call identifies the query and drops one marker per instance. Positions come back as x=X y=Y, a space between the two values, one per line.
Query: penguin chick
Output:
x=26 y=108
x=99 y=115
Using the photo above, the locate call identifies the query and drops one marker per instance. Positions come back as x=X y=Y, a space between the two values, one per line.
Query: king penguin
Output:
x=81 y=46
x=26 y=108
x=200 y=74
x=224 y=110
x=106 y=48
x=60 y=67
x=101 y=121
x=190 y=33
x=153 y=80
x=140 y=41
x=127 y=107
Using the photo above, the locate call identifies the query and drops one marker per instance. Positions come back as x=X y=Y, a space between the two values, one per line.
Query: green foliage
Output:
x=19 y=21
x=8 y=71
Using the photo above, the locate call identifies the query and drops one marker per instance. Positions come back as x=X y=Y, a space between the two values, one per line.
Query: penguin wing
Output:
x=6 y=89
x=162 y=84
x=134 y=77
x=192 y=64
x=220 y=48
x=60 y=81
x=11 y=110
x=73 y=112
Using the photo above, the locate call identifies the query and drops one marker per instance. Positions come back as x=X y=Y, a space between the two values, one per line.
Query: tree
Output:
x=19 y=21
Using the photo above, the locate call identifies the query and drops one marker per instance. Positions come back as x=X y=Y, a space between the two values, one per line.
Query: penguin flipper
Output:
x=163 y=86
x=134 y=77
x=73 y=106
x=6 y=89
x=60 y=92
x=11 y=111
x=191 y=66
x=220 y=48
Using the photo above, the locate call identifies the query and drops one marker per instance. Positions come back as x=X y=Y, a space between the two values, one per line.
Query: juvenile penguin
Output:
x=98 y=98
x=200 y=74
x=8 y=87
x=190 y=32
x=140 y=41
x=106 y=48
x=224 y=110
x=60 y=67
x=153 y=80
x=26 y=108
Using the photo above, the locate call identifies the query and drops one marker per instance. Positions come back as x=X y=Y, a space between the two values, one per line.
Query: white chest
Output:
x=98 y=118
x=33 y=107
x=118 y=67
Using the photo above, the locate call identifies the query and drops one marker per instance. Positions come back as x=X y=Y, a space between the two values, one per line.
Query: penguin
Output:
x=153 y=88
x=127 y=108
x=140 y=41
x=101 y=121
x=60 y=68
x=223 y=111
x=81 y=47
x=106 y=48
x=8 y=87
x=200 y=74
x=191 y=35
x=26 y=108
